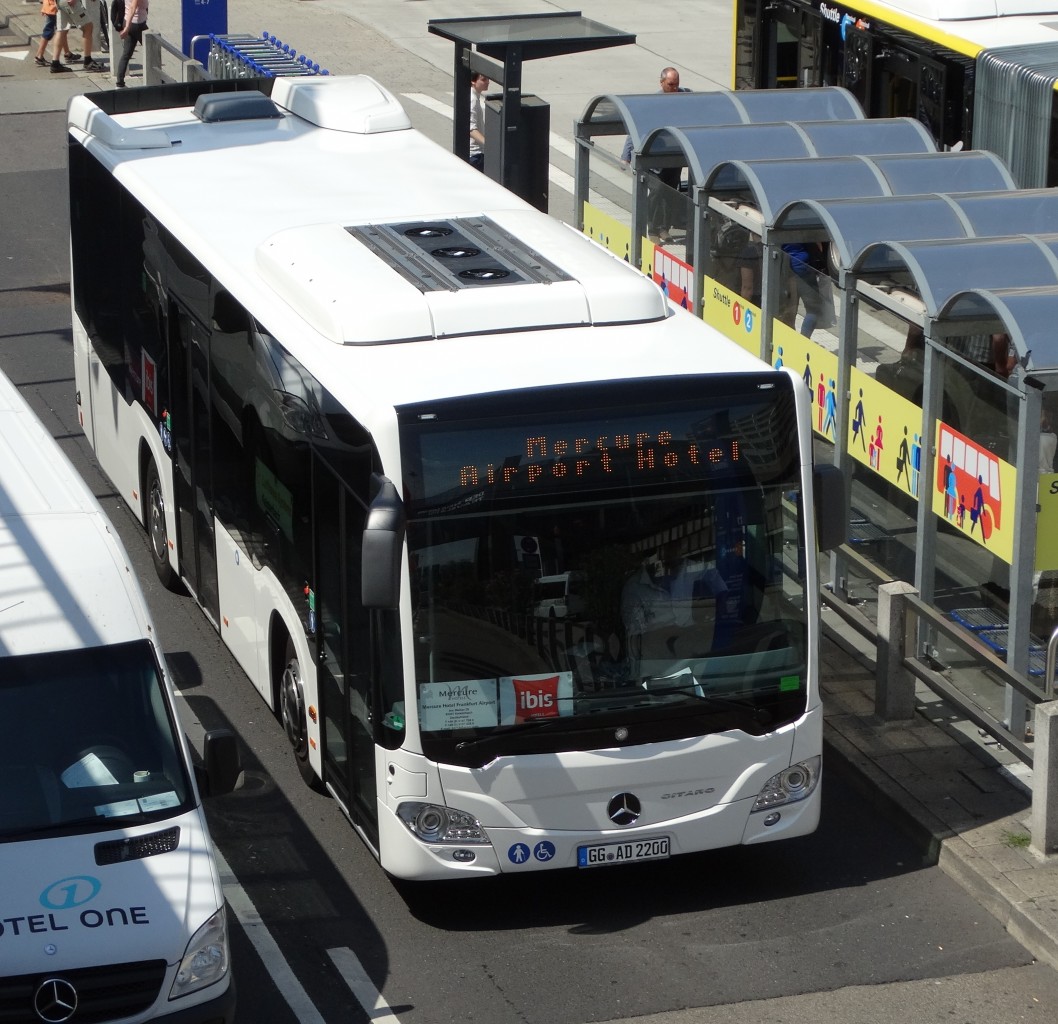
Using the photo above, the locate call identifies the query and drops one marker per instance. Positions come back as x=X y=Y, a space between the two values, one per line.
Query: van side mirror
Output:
x=221 y=765
x=383 y=547
x=832 y=512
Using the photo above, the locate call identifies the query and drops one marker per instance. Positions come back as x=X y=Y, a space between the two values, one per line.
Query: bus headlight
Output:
x=434 y=823
x=205 y=960
x=790 y=785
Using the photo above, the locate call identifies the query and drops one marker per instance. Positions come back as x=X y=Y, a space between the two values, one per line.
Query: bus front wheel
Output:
x=156 y=532
x=293 y=714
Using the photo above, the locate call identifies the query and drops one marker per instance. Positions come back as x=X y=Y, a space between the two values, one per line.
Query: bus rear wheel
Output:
x=294 y=715
x=156 y=532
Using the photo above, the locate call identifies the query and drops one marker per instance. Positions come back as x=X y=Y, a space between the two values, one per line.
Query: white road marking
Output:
x=361 y=986
x=257 y=932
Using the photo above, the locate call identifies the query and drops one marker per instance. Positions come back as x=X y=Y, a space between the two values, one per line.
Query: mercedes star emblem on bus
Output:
x=624 y=809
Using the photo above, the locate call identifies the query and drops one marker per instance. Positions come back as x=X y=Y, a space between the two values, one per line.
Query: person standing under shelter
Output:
x=131 y=33
x=478 y=84
x=660 y=213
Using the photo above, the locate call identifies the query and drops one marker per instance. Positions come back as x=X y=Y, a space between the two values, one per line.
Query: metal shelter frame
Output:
x=497 y=47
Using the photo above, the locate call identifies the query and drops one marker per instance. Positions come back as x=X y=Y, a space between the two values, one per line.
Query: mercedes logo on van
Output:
x=624 y=809
x=55 y=1000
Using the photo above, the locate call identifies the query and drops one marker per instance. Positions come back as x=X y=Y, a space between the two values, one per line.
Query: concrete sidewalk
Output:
x=964 y=799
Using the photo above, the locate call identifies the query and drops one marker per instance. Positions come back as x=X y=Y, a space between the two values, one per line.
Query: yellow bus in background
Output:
x=979 y=74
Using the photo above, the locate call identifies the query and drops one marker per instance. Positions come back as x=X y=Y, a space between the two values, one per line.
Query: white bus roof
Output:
x=968 y=26
x=302 y=213
x=65 y=582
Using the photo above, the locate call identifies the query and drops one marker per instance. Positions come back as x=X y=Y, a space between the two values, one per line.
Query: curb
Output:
x=925 y=831
x=12 y=32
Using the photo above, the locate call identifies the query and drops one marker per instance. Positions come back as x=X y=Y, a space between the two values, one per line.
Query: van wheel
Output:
x=159 y=539
x=294 y=716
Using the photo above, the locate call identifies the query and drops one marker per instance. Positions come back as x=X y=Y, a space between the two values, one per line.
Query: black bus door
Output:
x=344 y=659
x=790 y=48
x=192 y=482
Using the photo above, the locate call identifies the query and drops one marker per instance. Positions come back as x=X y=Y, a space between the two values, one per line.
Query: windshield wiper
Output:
x=760 y=715
x=506 y=731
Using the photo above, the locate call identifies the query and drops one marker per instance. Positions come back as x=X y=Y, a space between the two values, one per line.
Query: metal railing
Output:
x=164 y=63
x=902 y=616
x=230 y=56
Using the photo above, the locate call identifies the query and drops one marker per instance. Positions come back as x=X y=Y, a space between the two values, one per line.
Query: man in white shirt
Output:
x=478 y=84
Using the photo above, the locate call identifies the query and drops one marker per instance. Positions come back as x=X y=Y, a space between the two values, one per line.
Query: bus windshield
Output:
x=113 y=757
x=604 y=561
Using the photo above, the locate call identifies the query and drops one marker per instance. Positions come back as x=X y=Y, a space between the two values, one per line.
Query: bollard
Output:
x=894 y=686
x=1044 y=829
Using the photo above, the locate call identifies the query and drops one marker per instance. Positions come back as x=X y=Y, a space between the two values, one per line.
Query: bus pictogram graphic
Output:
x=968 y=477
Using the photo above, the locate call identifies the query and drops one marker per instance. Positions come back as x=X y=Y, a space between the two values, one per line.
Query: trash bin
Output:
x=526 y=160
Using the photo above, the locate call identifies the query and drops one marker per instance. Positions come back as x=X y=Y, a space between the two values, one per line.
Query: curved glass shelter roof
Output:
x=638 y=115
x=703 y=147
x=853 y=224
x=944 y=268
x=775 y=183
x=1027 y=313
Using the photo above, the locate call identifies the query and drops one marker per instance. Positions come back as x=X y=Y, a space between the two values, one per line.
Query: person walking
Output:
x=49 y=11
x=131 y=33
x=63 y=23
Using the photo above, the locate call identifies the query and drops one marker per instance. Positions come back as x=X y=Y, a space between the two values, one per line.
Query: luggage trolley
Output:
x=263 y=56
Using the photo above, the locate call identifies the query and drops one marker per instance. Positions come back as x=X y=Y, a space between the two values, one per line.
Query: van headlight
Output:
x=790 y=785
x=434 y=823
x=205 y=960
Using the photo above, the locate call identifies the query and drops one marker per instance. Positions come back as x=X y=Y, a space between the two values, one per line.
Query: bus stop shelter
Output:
x=604 y=190
x=931 y=367
x=518 y=126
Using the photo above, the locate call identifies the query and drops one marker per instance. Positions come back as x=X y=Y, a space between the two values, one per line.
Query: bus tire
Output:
x=294 y=717
x=156 y=532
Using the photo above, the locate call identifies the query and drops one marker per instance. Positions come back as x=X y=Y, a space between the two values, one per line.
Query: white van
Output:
x=111 y=905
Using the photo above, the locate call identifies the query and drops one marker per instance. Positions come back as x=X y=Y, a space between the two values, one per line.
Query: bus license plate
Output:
x=623 y=853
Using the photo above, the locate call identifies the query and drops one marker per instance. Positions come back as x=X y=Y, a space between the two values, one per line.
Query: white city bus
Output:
x=112 y=902
x=362 y=397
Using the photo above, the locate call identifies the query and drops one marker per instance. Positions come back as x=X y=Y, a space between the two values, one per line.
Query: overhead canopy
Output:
x=638 y=115
x=702 y=148
x=941 y=269
x=533 y=35
x=1028 y=314
x=773 y=184
x=853 y=224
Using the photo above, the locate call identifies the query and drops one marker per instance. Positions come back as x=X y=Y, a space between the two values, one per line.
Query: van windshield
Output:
x=87 y=742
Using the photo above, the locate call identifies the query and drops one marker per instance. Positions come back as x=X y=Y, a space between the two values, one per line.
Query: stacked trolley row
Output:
x=264 y=56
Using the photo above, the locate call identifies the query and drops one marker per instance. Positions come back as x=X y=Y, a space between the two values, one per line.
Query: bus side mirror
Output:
x=832 y=513
x=383 y=548
x=221 y=767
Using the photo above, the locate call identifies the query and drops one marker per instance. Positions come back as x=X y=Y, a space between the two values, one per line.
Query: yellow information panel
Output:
x=817 y=367
x=969 y=482
x=1047 y=522
x=885 y=432
x=731 y=315
x=608 y=231
x=617 y=237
